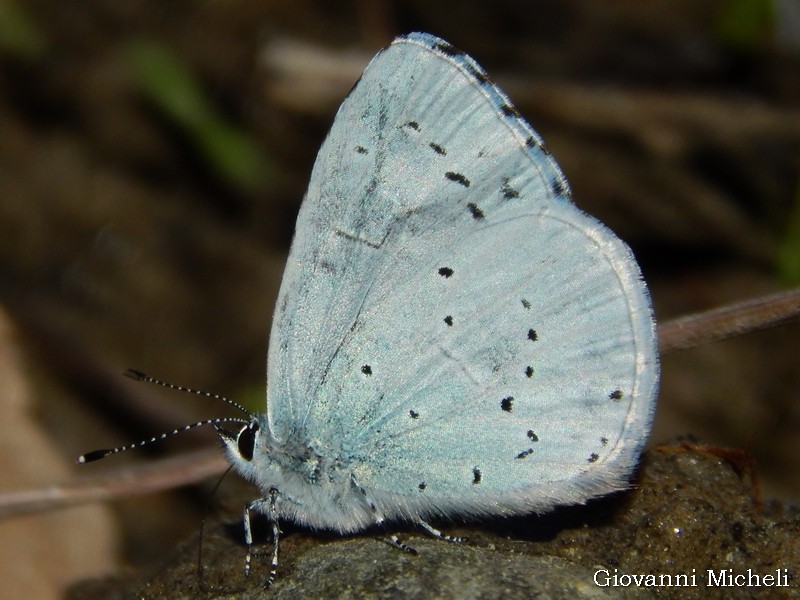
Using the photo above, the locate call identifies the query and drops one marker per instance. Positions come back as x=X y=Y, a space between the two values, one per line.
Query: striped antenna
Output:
x=139 y=376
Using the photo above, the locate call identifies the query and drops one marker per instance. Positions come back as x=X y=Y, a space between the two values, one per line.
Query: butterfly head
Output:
x=240 y=445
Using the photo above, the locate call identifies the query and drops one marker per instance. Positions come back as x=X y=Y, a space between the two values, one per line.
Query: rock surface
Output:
x=688 y=512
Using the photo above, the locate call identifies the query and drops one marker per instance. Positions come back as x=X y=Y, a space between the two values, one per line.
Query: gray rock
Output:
x=687 y=512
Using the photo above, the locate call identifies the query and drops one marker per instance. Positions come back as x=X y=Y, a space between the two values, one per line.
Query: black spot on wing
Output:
x=479 y=75
x=509 y=193
x=438 y=149
x=529 y=371
x=413 y=125
x=532 y=335
x=448 y=49
x=510 y=111
x=463 y=60
x=476 y=212
x=558 y=188
x=526 y=303
x=446 y=272
x=422 y=486
x=457 y=178
x=366 y=370
x=507 y=403
x=476 y=475
x=604 y=441
x=532 y=436
x=615 y=395
x=361 y=150
x=525 y=453
x=449 y=320
x=413 y=414
x=593 y=457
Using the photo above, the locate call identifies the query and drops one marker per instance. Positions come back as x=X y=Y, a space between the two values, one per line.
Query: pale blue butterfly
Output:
x=453 y=336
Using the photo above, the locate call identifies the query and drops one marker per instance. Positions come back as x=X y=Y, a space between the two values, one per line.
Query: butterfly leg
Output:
x=380 y=520
x=438 y=534
x=266 y=506
x=400 y=544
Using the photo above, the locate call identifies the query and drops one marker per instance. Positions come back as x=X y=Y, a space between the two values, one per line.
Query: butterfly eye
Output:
x=247 y=440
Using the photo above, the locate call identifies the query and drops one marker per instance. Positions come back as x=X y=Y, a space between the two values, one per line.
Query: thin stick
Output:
x=729 y=321
x=153 y=476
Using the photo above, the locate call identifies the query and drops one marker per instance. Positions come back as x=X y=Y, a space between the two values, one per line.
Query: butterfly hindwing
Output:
x=449 y=322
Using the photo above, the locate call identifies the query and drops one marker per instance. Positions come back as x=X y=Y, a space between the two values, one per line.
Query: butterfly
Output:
x=453 y=337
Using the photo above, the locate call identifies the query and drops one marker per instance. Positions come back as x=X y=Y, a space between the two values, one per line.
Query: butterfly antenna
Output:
x=139 y=376
x=98 y=454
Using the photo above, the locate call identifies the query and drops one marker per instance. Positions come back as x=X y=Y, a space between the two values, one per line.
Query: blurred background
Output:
x=153 y=157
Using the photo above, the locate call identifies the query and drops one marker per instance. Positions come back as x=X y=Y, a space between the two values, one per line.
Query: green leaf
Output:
x=173 y=89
